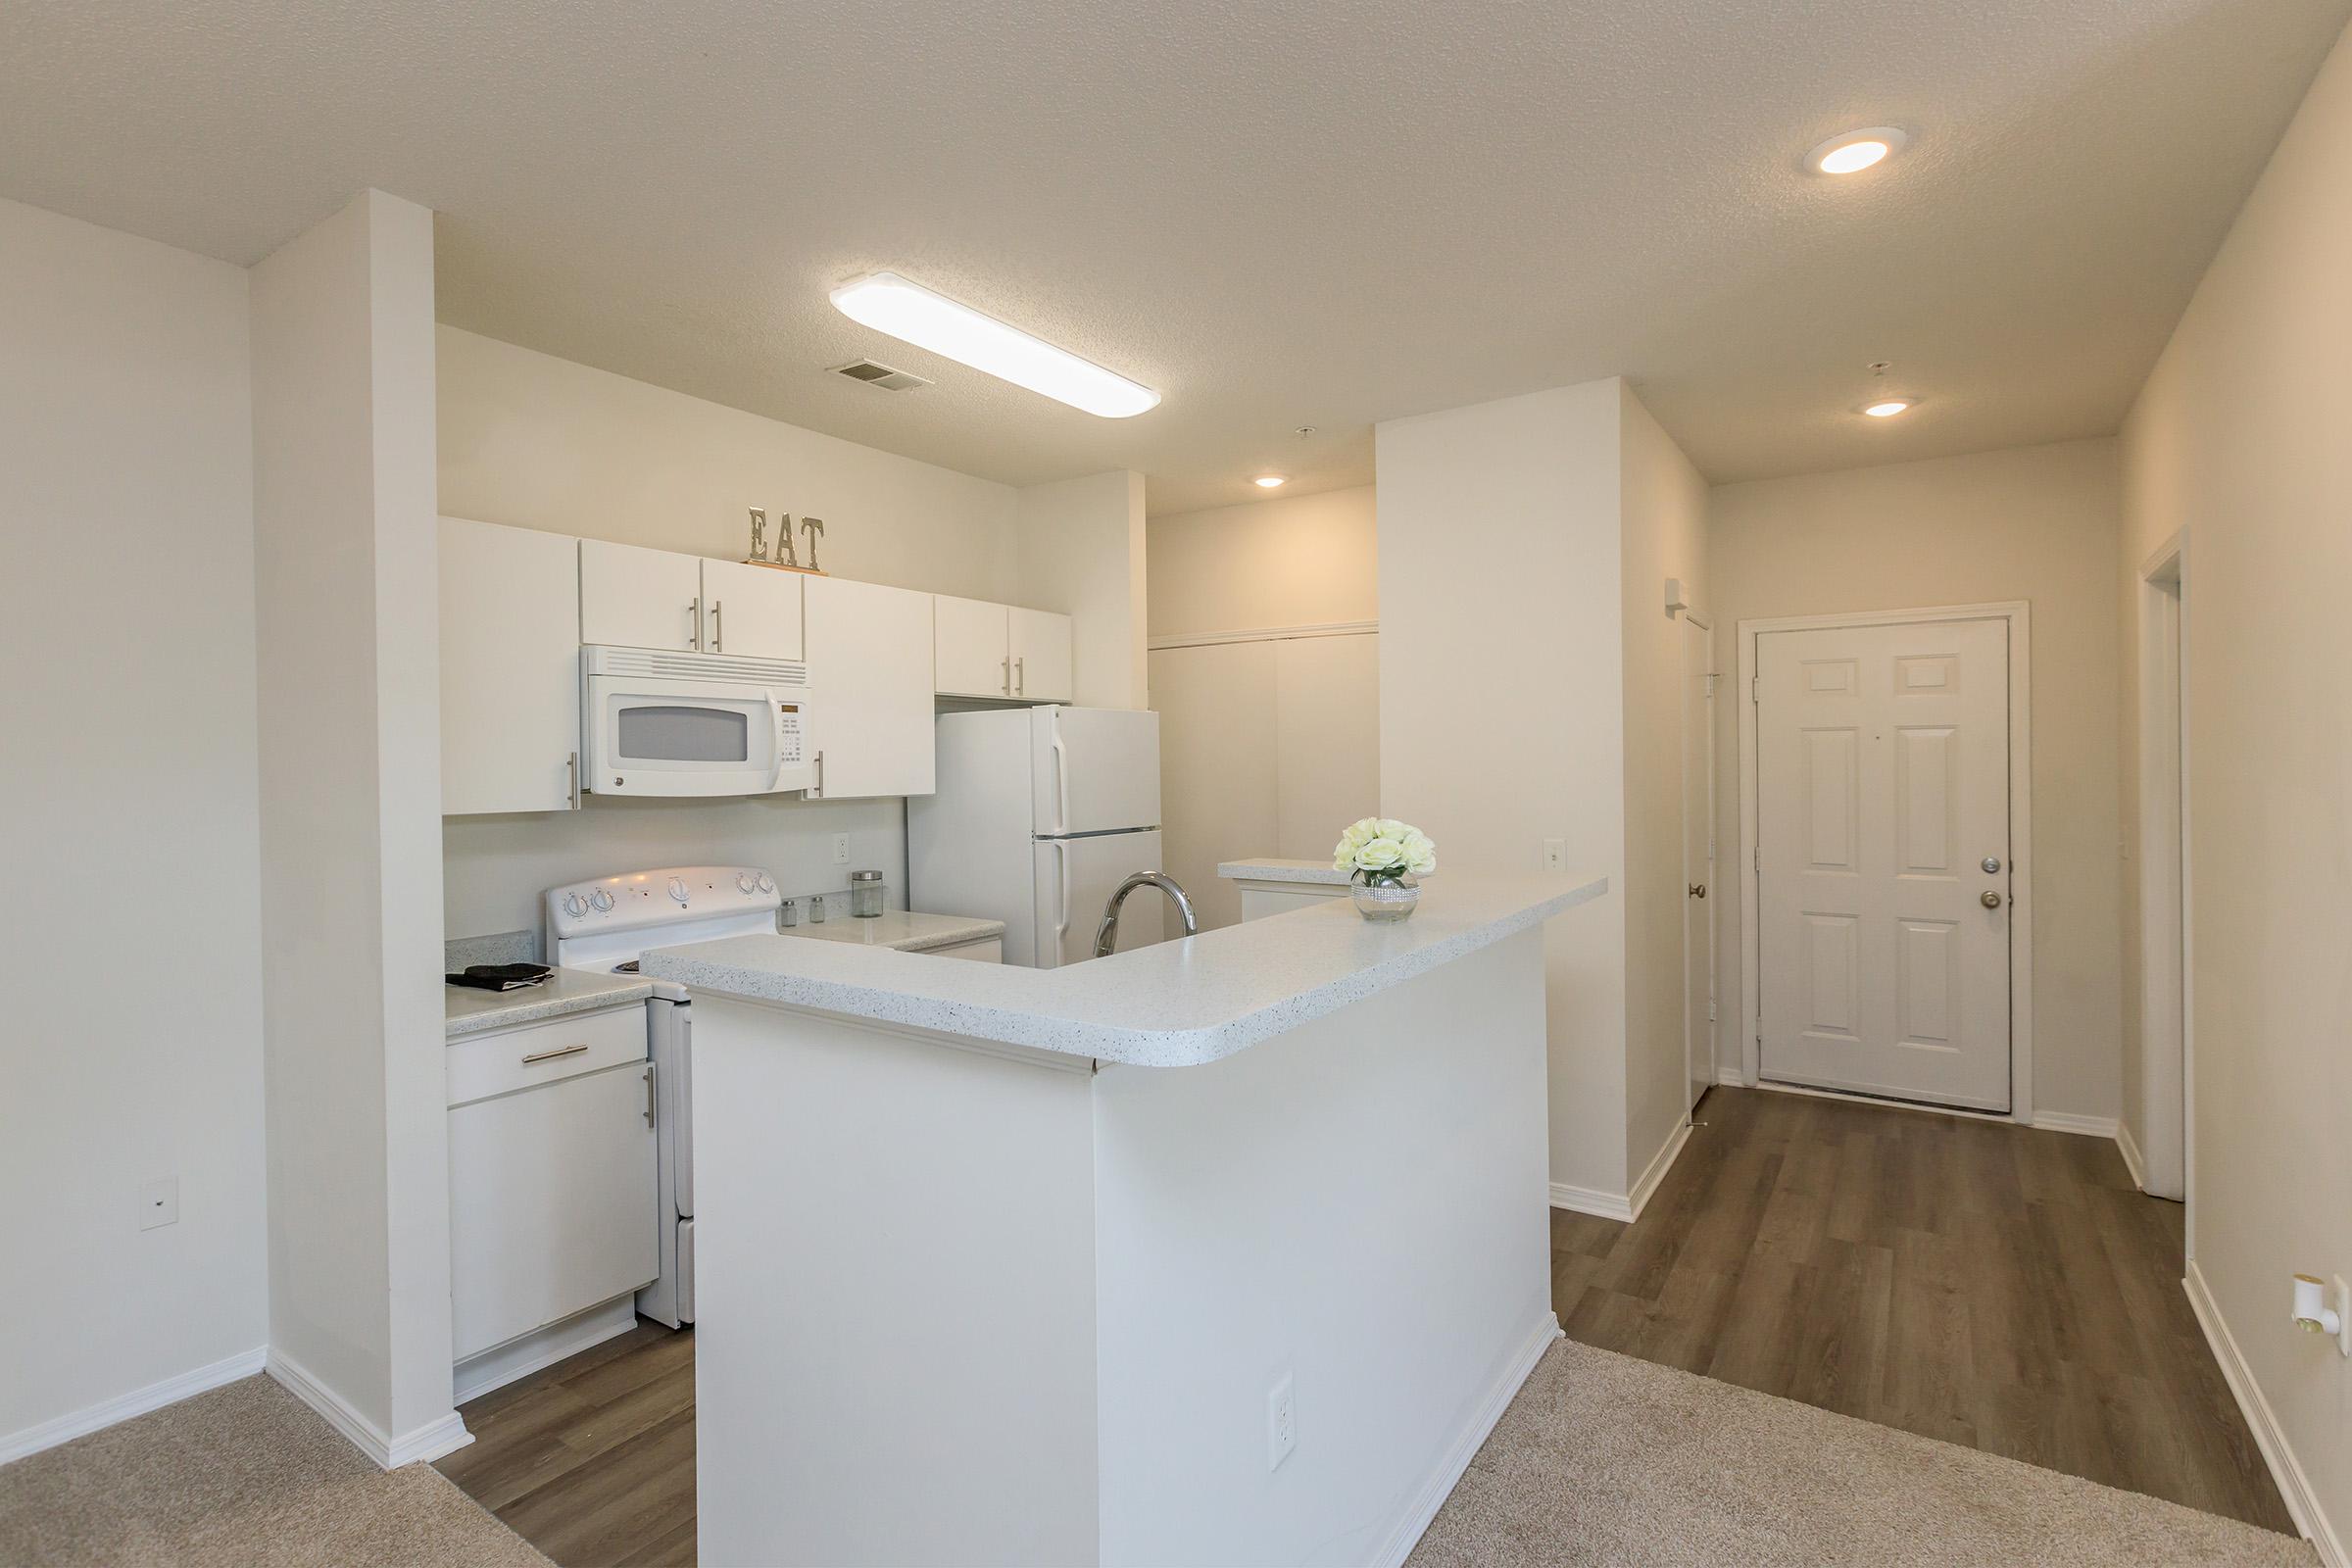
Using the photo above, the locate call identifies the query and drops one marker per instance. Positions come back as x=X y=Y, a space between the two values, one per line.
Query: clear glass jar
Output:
x=866 y=894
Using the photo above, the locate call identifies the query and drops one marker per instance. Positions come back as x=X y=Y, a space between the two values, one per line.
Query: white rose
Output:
x=1380 y=854
x=1422 y=862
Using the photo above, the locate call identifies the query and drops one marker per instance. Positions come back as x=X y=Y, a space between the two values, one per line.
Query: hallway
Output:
x=1992 y=1286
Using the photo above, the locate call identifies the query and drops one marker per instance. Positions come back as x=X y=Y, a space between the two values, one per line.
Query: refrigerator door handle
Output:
x=1061 y=868
x=1061 y=784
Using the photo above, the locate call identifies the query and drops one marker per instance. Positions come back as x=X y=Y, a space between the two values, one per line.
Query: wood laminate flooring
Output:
x=1987 y=1284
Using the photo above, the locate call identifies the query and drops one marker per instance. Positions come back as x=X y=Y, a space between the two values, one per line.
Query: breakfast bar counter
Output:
x=1227 y=1249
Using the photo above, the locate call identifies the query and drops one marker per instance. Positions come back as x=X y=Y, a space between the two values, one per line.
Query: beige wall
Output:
x=1079 y=549
x=2243 y=437
x=1268 y=745
x=126 y=436
x=1294 y=561
x=1503 y=699
x=2036 y=523
x=1665 y=510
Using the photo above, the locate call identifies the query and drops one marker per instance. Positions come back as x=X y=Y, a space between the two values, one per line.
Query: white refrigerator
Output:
x=1040 y=815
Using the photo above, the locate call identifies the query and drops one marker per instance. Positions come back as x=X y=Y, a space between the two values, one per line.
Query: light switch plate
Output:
x=841 y=849
x=1555 y=854
x=1282 y=1421
x=159 y=1203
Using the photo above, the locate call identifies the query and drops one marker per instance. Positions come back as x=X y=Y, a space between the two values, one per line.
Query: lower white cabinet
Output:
x=550 y=1185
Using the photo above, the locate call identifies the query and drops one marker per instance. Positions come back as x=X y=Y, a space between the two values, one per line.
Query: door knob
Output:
x=1990 y=898
x=1698 y=890
x=1991 y=864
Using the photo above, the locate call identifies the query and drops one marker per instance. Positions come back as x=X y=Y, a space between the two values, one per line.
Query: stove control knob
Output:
x=574 y=906
x=767 y=884
x=602 y=899
x=677 y=890
x=745 y=882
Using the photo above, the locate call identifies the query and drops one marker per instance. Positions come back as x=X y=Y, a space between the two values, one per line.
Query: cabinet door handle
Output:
x=719 y=630
x=1020 y=677
x=819 y=787
x=1008 y=675
x=572 y=763
x=694 y=622
x=648 y=1094
x=550 y=1055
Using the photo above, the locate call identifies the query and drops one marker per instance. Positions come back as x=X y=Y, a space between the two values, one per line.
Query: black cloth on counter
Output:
x=500 y=976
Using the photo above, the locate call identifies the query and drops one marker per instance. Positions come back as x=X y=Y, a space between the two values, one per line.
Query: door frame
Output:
x=1713 y=1033
x=2166 y=1029
x=2018 y=614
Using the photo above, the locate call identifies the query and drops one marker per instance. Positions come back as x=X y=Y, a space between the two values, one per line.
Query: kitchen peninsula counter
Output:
x=1228 y=1250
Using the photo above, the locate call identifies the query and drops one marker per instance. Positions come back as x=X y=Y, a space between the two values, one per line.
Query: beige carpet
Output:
x=1605 y=1460
x=245 y=1476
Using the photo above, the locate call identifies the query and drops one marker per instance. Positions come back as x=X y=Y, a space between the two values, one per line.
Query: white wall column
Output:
x=346 y=593
x=1080 y=550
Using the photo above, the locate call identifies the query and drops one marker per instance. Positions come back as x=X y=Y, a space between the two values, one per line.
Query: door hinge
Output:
x=1710 y=1012
x=1757 y=860
x=1753 y=681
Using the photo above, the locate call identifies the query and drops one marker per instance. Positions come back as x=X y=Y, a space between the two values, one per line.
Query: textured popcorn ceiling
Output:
x=1279 y=213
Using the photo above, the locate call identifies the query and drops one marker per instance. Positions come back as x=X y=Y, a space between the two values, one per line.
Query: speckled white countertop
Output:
x=1173 y=1005
x=905 y=930
x=470 y=1011
x=1269 y=869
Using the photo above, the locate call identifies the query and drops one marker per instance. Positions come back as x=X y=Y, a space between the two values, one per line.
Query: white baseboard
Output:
x=139 y=1402
x=1626 y=1206
x=2066 y=1121
x=497 y=1367
x=1407 y=1532
x=444 y=1435
x=2130 y=1149
x=2294 y=1485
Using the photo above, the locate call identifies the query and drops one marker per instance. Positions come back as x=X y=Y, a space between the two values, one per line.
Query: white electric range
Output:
x=606 y=925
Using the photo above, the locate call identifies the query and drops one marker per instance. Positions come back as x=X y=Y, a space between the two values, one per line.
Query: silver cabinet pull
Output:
x=1020 y=677
x=818 y=788
x=1008 y=675
x=694 y=622
x=648 y=1094
x=719 y=630
x=572 y=763
x=550 y=1055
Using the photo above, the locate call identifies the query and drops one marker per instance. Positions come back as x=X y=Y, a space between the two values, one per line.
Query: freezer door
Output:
x=1095 y=769
x=1075 y=878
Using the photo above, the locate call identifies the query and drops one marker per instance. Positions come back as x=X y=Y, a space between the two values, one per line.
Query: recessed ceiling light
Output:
x=1856 y=150
x=913 y=313
x=1886 y=408
x=1267 y=481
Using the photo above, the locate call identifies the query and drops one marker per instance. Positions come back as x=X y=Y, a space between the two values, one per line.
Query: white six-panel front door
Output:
x=1882 y=792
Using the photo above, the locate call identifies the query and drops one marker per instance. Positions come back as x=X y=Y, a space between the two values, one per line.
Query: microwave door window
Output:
x=680 y=733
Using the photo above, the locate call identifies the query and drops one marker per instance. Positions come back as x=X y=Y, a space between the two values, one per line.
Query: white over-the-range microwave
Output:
x=678 y=723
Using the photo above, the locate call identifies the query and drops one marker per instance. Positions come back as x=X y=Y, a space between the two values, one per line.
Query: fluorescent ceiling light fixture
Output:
x=1887 y=409
x=913 y=313
x=1267 y=481
x=1856 y=150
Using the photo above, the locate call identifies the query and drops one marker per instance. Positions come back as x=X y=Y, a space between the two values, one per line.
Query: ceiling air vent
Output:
x=881 y=376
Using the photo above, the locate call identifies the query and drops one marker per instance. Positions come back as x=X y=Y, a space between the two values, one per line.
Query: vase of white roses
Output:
x=1382 y=856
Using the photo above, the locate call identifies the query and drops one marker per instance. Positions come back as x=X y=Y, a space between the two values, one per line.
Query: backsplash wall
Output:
x=496 y=869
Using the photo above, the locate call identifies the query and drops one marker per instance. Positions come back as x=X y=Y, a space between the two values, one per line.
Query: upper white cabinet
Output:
x=1040 y=656
x=509 y=668
x=972 y=656
x=870 y=676
x=631 y=596
x=754 y=611
x=988 y=650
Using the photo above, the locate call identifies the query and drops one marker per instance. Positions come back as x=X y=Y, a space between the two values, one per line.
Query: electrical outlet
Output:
x=1282 y=1421
x=1555 y=854
x=159 y=1203
x=841 y=849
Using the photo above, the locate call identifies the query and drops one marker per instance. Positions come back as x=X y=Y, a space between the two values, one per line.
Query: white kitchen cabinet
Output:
x=753 y=610
x=551 y=1199
x=870 y=674
x=509 y=668
x=631 y=596
x=973 y=654
x=1040 y=654
x=1001 y=651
